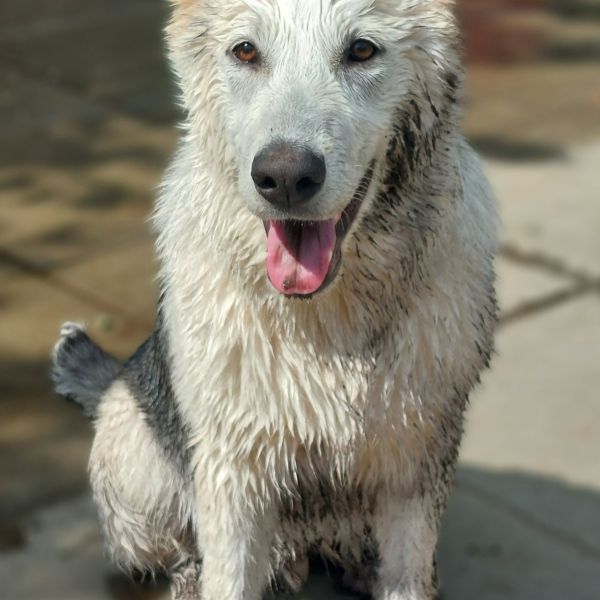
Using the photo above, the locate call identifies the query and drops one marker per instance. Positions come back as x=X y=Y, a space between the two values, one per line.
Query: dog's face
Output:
x=305 y=94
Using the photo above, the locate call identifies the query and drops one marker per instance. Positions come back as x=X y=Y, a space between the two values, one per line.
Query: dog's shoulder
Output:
x=148 y=377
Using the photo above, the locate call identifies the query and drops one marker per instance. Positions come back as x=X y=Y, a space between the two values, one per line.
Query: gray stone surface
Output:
x=61 y=558
x=492 y=551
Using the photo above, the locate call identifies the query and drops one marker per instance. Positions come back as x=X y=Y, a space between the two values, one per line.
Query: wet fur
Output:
x=251 y=430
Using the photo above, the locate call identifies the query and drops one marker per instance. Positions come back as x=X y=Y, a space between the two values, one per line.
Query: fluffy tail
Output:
x=81 y=370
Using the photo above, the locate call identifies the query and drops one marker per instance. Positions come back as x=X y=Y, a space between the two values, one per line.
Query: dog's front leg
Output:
x=406 y=532
x=235 y=540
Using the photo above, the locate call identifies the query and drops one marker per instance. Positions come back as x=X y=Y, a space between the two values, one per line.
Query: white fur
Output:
x=144 y=507
x=355 y=387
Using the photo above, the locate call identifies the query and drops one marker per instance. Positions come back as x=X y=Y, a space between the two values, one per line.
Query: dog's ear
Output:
x=182 y=12
x=195 y=7
x=192 y=5
x=449 y=5
x=185 y=5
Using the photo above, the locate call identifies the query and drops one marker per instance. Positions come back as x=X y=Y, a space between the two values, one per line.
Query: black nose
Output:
x=288 y=175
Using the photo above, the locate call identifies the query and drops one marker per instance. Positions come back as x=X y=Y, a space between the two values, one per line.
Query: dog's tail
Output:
x=81 y=370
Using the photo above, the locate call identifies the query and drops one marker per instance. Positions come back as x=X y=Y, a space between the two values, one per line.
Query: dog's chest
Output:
x=274 y=395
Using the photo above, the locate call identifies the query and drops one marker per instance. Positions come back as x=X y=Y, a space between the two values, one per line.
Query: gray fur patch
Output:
x=148 y=378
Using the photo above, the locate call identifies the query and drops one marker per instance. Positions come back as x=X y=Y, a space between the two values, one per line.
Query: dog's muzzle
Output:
x=304 y=257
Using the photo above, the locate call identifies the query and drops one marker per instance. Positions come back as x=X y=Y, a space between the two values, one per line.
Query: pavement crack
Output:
x=581 y=283
x=534 y=307
x=550 y=265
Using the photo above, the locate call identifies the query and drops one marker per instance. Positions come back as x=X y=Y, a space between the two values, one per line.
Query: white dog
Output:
x=327 y=242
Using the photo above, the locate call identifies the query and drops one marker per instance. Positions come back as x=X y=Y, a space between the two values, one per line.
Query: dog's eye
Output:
x=246 y=52
x=361 y=51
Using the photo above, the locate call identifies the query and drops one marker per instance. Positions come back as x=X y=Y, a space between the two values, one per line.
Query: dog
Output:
x=327 y=242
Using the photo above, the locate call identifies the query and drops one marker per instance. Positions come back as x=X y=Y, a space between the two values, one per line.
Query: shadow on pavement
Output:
x=520 y=536
x=577 y=9
x=498 y=148
x=506 y=535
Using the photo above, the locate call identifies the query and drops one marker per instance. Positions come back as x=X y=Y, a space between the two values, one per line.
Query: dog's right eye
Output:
x=362 y=51
x=246 y=52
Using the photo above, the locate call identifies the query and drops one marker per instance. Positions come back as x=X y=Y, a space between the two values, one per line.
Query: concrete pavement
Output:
x=86 y=119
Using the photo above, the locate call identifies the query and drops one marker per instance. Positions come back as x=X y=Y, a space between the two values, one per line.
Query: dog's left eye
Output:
x=246 y=52
x=361 y=51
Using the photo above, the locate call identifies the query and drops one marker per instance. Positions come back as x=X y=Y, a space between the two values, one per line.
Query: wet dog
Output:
x=327 y=244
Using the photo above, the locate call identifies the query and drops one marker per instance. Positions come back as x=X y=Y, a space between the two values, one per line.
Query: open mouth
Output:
x=304 y=257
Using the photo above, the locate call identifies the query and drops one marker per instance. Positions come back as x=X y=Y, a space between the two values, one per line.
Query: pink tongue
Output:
x=299 y=255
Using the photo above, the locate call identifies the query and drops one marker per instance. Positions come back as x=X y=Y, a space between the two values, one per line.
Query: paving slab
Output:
x=552 y=208
x=539 y=405
x=52 y=236
x=45 y=445
x=565 y=513
x=50 y=128
x=537 y=412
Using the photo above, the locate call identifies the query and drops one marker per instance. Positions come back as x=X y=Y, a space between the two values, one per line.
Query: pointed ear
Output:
x=448 y=5
x=183 y=11
x=185 y=4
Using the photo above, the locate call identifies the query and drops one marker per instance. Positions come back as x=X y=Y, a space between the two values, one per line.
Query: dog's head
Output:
x=303 y=97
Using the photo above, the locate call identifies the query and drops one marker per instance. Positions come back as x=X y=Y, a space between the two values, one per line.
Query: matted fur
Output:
x=253 y=429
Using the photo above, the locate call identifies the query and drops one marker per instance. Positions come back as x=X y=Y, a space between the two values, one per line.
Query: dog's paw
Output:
x=185 y=582
x=294 y=574
x=68 y=331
